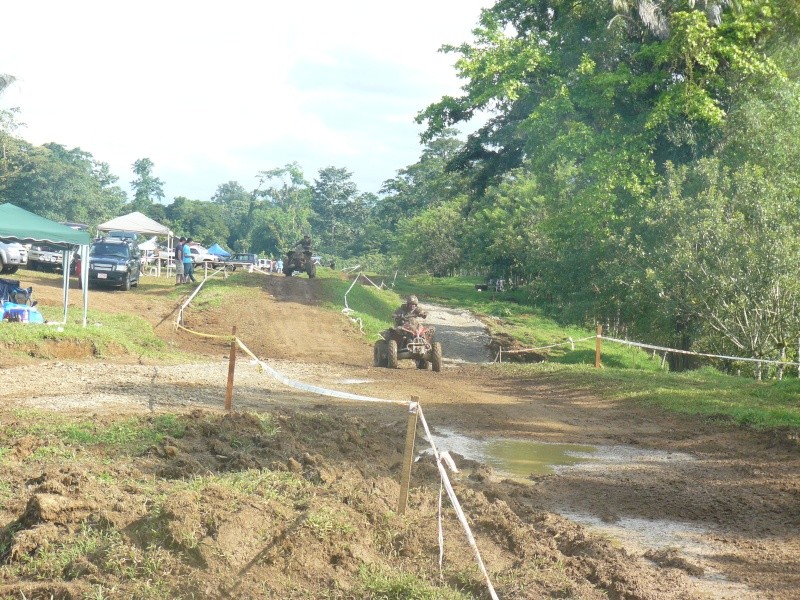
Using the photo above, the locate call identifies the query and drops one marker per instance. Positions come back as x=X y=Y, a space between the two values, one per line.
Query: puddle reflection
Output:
x=517 y=458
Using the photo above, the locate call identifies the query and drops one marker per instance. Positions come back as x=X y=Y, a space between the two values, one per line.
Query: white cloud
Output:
x=217 y=92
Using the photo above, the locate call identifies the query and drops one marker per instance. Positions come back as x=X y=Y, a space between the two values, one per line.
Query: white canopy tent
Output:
x=137 y=222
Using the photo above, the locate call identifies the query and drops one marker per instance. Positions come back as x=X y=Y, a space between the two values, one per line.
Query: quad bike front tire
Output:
x=391 y=354
x=288 y=271
x=436 y=357
x=312 y=271
x=379 y=354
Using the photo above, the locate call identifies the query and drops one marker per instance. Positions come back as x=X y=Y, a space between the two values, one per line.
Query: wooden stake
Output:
x=597 y=346
x=231 y=370
x=408 y=457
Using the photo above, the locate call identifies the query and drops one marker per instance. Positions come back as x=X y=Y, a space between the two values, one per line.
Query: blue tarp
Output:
x=218 y=250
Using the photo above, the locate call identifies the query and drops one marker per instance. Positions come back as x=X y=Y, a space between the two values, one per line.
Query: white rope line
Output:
x=570 y=341
x=308 y=387
x=690 y=353
x=457 y=506
x=179 y=318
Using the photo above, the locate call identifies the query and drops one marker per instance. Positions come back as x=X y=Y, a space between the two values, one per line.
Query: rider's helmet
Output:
x=412 y=300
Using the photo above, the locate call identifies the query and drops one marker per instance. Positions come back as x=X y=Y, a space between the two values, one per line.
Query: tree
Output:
x=61 y=184
x=148 y=189
x=203 y=221
x=431 y=241
x=333 y=200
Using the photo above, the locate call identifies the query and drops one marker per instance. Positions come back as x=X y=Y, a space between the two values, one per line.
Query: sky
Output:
x=216 y=92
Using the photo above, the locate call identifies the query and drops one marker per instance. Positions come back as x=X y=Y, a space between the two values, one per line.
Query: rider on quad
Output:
x=408 y=310
x=408 y=339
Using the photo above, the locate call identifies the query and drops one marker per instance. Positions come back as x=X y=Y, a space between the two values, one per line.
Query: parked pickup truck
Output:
x=13 y=255
x=45 y=258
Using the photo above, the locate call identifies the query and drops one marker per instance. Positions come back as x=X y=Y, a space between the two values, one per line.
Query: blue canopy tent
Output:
x=218 y=250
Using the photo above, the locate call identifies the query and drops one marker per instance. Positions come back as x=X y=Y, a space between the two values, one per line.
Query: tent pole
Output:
x=85 y=281
x=65 y=264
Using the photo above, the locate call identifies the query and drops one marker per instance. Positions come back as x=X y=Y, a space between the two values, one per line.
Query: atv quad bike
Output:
x=298 y=260
x=411 y=340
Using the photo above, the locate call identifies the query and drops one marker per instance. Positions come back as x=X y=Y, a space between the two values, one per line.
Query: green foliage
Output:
x=431 y=241
x=58 y=183
x=203 y=221
x=147 y=188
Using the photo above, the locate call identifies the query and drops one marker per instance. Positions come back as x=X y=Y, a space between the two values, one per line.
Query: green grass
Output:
x=384 y=585
x=129 y=437
x=371 y=306
x=706 y=392
x=104 y=334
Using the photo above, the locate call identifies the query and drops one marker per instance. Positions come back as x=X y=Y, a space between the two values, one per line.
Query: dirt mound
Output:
x=241 y=505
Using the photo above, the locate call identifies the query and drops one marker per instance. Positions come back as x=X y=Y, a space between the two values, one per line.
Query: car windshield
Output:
x=117 y=250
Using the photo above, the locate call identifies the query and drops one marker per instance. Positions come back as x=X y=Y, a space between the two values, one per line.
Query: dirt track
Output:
x=736 y=490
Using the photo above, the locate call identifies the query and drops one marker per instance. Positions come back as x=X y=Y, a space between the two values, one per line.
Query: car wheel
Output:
x=126 y=285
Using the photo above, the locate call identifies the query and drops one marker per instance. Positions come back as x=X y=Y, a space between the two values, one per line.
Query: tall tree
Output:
x=147 y=188
x=333 y=197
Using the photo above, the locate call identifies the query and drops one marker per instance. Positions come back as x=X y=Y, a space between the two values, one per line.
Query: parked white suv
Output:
x=13 y=255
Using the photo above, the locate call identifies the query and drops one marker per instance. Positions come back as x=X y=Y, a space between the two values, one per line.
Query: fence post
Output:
x=408 y=456
x=231 y=370
x=597 y=346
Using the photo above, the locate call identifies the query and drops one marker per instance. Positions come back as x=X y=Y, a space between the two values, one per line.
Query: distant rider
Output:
x=304 y=245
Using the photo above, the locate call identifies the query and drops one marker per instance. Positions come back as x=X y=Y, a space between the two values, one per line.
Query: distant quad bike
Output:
x=411 y=340
x=297 y=260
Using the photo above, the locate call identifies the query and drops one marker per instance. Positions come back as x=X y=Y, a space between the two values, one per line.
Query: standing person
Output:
x=188 y=266
x=179 y=261
x=279 y=265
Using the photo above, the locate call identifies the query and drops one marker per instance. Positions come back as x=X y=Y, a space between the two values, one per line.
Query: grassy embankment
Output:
x=628 y=375
x=109 y=334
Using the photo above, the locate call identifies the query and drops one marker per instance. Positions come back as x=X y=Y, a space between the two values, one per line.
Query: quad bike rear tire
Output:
x=312 y=271
x=379 y=354
x=436 y=358
x=391 y=354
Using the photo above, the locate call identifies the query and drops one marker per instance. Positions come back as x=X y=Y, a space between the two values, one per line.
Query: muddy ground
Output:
x=303 y=507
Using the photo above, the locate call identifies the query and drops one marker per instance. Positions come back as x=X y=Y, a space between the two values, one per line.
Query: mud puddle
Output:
x=514 y=458
x=687 y=546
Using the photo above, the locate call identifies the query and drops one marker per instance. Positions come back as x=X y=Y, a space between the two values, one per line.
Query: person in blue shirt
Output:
x=188 y=265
